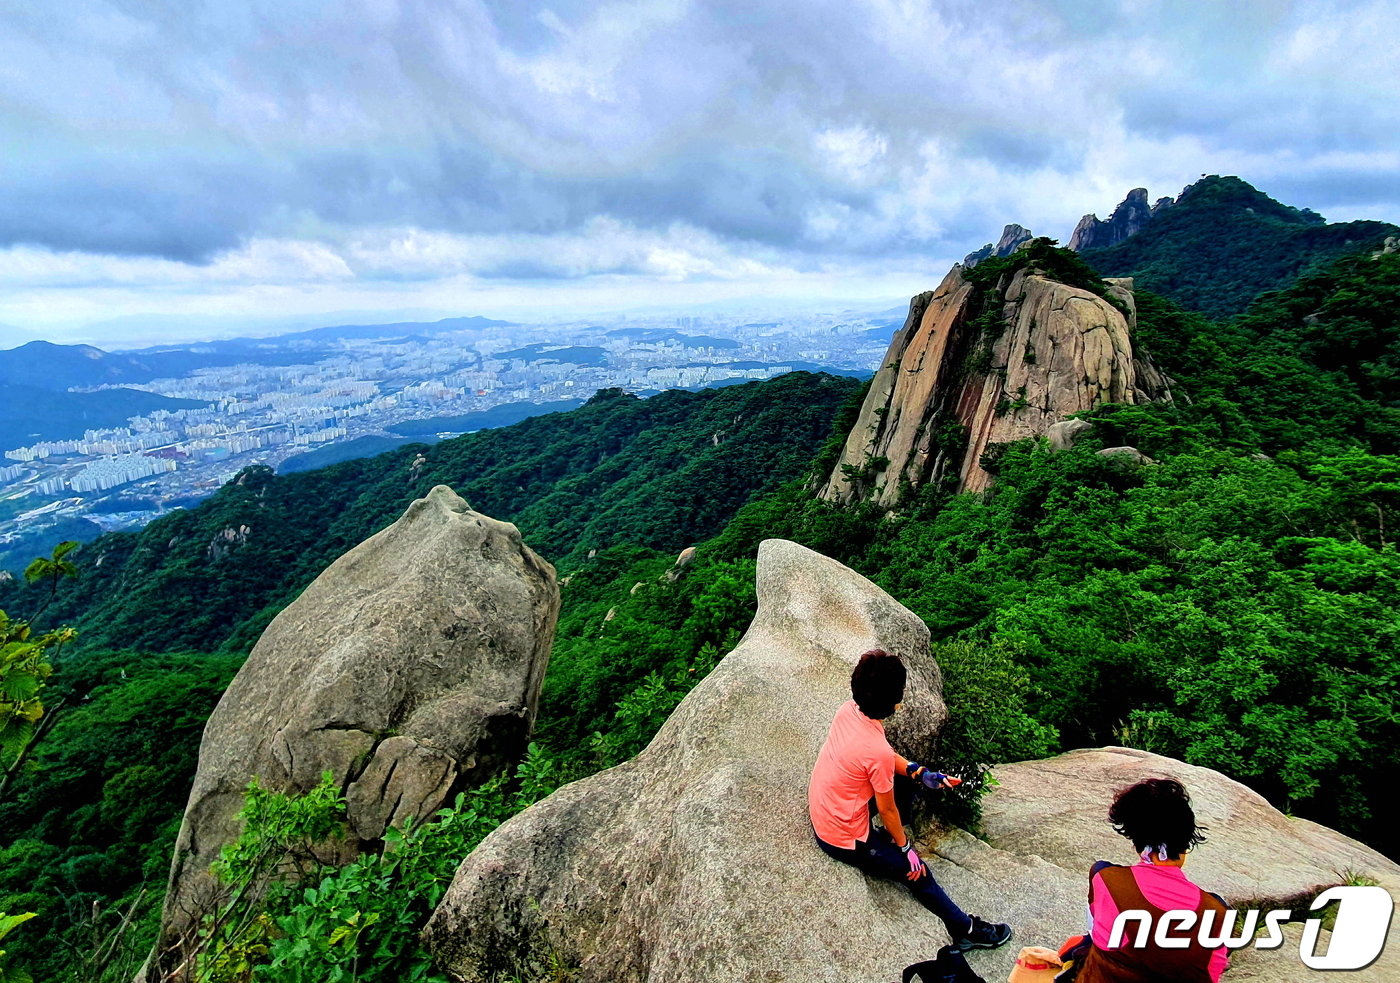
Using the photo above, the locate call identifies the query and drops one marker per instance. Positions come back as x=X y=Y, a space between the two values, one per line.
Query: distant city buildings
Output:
x=262 y=411
x=113 y=471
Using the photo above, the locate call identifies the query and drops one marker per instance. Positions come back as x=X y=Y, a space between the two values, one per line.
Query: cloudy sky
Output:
x=513 y=157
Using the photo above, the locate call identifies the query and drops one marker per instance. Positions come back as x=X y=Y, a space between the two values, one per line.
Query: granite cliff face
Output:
x=1127 y=219
x=974 y=367
x=409 y=669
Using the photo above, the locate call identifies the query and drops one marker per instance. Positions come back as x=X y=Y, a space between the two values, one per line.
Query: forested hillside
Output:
x=660 y=473
x=1223 y=243
x=1236 y=605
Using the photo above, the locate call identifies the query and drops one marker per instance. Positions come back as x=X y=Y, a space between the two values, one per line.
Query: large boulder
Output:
x=409 y=669
x=695 y=860
x=1066 y=433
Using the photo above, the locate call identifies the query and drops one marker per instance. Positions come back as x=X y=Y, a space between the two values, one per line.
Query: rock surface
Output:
x=1128 y=219
x=1126 y=455
x=1063 y=435
x=694 y=861
x=946 y=390
x=1012 y=237
x=408 y=669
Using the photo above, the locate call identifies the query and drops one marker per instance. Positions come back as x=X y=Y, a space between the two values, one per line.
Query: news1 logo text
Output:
x=1358 y=936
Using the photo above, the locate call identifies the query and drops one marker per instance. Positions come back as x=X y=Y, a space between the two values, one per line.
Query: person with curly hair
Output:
x=1156 y=815
x=856 y=766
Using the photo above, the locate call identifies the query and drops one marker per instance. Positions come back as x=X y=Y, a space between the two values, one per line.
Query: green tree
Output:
x=53 y=569
x=8 y=923
x=24 y=671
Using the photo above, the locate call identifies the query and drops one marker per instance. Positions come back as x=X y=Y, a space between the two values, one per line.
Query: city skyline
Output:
x=335 y=395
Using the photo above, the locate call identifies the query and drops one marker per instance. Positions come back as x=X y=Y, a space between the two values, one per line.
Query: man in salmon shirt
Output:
x=857 y=764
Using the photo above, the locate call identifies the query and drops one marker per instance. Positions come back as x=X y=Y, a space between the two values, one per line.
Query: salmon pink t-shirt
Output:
x=855 y=763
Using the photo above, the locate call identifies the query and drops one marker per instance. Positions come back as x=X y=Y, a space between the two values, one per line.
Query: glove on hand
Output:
x=936 y=779
x=916 y=865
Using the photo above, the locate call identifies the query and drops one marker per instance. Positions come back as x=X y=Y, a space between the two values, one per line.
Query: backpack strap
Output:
x=924 y=971
x=951 y=964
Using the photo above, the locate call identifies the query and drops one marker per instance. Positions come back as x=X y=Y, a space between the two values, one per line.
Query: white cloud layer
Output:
x=494 y=151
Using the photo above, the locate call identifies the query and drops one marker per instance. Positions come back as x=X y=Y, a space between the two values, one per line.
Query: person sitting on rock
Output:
x=1156 y=815
x=856 y=764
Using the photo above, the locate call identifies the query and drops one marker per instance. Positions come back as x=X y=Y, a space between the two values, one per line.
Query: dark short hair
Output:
x=877 y=683
x=1157 y=812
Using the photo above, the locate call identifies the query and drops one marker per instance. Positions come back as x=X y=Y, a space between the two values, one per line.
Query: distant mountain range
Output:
x=361 y=332
x=35 y=377
x=1223 y=242
x=50 y=366
x=1214 y=248
x=45 y=365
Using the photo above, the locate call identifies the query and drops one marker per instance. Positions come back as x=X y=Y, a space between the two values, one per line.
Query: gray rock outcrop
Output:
x=1128 y=219
x=1125 y=455
x=694 y=861
x=1063 y=435
x=948 y=388
x=409 y=669
x=1012 y=238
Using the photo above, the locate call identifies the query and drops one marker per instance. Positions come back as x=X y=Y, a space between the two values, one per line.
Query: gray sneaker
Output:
x=984 y=935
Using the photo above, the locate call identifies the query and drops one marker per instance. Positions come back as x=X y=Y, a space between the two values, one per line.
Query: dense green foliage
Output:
x=94 y=816
x=359 y=922
x=1223 y=243
x=87 y=831
x=8 y=923
x=1315 y=366
x=24 y=670
x=663 y=473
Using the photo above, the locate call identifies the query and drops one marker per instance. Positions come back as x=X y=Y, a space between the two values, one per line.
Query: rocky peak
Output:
x=694 y=861
x=1012 y=237
x=1127 y=219
x=409 y=669
x=978 y=364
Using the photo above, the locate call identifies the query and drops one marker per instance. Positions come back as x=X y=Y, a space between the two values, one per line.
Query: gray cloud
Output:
x=822 y=129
